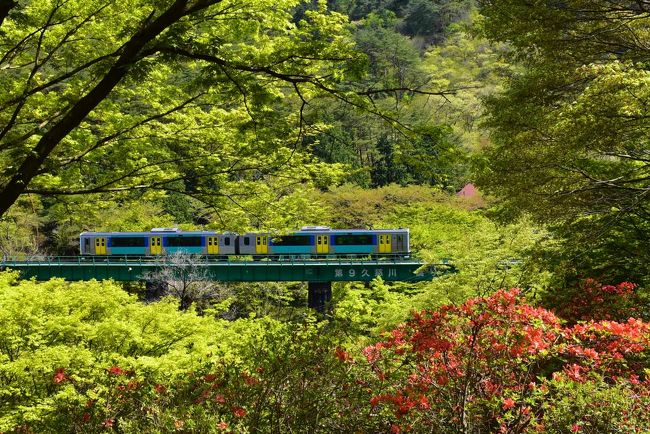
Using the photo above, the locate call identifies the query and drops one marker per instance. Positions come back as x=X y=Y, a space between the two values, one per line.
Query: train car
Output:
x=158 y=241
x=321 y=241
x=310 y=241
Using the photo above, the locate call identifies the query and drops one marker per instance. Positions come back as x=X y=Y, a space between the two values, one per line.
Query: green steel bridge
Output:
x=318 y=273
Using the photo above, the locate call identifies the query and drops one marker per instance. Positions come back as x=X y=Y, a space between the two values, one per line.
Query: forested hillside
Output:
x=266 y=116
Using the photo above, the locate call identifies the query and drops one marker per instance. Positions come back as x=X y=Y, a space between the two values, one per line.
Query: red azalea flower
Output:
x=115 y=370
x=239 y=412
x=508 y=403
x=341 y=354
x=59 y=376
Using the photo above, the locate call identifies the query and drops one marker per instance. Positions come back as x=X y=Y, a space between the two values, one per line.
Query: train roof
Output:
x=304 y=231
x=356 y=231
x=152 y=233
x=334 y=232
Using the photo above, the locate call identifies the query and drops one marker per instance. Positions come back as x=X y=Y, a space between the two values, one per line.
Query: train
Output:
x=308 y=242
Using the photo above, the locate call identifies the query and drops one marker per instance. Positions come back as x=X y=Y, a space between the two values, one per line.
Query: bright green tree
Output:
x=570 y=132
x=175 y=95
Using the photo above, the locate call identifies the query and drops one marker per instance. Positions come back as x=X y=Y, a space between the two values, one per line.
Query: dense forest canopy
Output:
x=570 y=132
x=108 y=96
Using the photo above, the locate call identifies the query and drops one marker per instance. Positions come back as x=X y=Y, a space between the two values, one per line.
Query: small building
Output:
x=468 y=191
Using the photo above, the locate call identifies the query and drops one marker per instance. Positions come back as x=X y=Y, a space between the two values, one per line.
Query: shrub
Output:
x=499 y=364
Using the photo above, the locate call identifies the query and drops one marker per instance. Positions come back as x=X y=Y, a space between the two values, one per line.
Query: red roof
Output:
x=468 y=191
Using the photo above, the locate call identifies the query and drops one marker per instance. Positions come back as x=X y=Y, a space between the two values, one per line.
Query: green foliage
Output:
x=409 y=147
x=424 y=21
x=208 y=95
x=570 y=130
x=472 y=69
x=86 y=357
x=429 y=20
x=279 y=300
x=350 y=206
x=488 y=256
x=84 y=329
x=363 y=310
x=20 y=229
x=593 y=407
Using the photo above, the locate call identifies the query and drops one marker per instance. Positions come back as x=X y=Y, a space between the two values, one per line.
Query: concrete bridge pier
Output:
x=319 y=294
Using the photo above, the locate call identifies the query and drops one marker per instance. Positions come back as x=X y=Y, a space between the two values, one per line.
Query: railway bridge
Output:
x=318 y=273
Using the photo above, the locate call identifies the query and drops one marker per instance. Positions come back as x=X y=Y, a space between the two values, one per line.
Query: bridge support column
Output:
x=319 y=295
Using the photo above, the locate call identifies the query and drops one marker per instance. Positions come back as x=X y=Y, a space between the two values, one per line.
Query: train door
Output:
x=155 y=245
x=261 y=245
x=385 y=244
x=100 y=246
x=322 y=244
x=213 y=245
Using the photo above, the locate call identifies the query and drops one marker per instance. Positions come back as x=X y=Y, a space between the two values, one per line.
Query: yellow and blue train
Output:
x=310 y=241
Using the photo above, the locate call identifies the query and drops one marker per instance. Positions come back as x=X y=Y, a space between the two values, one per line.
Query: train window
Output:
x=209 y=241
x=353 y=240
x=184 y=241
x=87 y=243
x=247 y=241
x=128 y=242
x=259 y=240
x=226 y=241
x=293 y=240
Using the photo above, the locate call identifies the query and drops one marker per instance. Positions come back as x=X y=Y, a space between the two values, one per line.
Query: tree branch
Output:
x=130 y=53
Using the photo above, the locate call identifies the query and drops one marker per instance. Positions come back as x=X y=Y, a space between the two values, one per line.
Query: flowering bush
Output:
x=498 y=364
x=592 y=300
